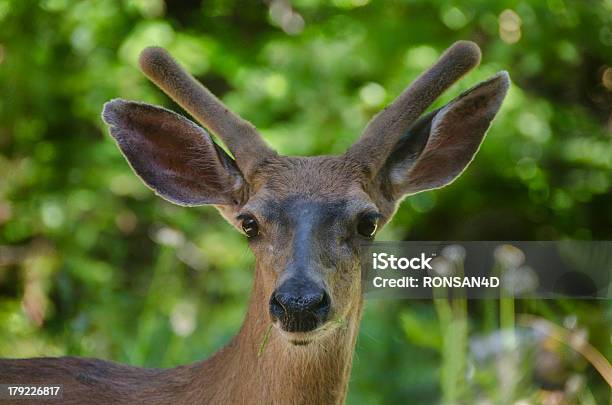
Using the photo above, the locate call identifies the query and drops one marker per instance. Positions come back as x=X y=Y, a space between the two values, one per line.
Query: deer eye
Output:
x=249 y=225
x=367 y=225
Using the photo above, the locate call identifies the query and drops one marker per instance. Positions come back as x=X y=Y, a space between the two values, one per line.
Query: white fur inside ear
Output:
x=397 y=174
x=401 y=170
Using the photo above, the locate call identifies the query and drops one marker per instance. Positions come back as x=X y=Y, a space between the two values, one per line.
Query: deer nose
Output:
x=300 y=310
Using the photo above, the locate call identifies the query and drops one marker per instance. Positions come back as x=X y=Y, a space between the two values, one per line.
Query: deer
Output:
x=305 y=220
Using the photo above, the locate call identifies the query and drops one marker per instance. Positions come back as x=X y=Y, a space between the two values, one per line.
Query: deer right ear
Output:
x=172 y=155
x=440 y=145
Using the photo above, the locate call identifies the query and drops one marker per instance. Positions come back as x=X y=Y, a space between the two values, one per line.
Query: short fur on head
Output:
x=305 y=218
x=309 y=212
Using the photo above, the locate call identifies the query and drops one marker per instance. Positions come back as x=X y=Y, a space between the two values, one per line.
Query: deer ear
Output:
x=440 y=145
x=172 y=155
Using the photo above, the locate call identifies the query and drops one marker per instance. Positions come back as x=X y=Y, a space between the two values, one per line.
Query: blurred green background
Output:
x=93 y=264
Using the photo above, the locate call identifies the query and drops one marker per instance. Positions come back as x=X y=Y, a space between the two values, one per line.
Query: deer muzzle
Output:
x=300 y=305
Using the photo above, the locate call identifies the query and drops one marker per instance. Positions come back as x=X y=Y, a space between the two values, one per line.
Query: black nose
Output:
x=300 y=309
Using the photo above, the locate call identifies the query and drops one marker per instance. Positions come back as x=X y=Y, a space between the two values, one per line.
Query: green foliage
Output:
x=93 y=264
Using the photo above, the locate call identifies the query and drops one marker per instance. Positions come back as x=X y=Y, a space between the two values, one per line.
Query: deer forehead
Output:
x=324 y=178
x=298 y=190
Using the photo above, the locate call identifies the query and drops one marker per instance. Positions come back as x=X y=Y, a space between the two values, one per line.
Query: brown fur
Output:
x=307 y=210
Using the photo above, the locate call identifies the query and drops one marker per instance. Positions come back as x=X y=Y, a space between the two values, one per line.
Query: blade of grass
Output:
x=264 y=341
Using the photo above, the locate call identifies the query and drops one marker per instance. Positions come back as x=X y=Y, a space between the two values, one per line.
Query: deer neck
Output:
x=261 y=366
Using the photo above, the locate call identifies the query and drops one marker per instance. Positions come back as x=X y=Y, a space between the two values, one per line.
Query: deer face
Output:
x=304 y=223
x=305 y=217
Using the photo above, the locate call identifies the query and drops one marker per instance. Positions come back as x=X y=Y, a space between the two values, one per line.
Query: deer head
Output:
x=305 y=217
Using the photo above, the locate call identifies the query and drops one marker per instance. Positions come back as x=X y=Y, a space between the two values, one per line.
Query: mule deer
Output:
x=304 y=218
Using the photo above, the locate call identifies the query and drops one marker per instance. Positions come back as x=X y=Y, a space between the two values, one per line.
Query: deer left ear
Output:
x=440 y=145
x=173 y=156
